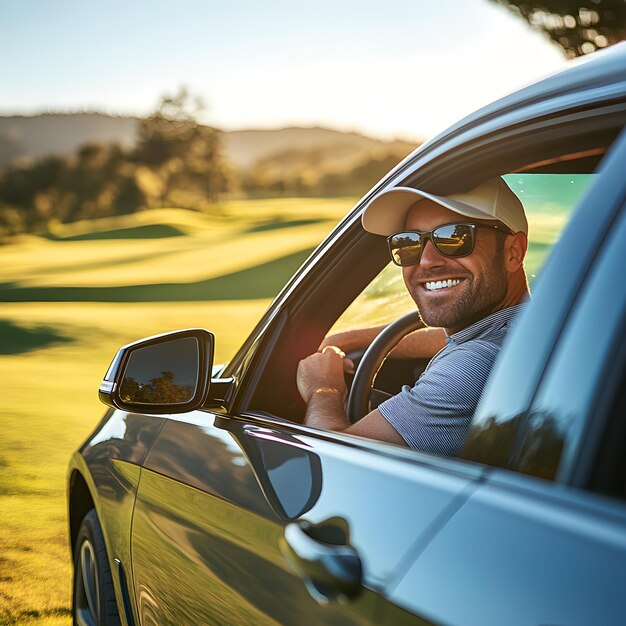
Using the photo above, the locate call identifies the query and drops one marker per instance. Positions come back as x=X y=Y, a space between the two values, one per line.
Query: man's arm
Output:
x=375 y=426
x=322 y=386
x=423 y=343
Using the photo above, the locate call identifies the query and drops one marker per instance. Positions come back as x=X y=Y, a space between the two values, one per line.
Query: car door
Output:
x=250 y=520
x=552 y=551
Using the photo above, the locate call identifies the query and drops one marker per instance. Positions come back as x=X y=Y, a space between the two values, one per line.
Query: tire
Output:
x=93 y=601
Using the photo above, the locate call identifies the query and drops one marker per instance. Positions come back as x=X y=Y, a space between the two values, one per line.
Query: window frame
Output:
x=518 y=118
x=306 y=302
x=525 y=359
x=581 y=449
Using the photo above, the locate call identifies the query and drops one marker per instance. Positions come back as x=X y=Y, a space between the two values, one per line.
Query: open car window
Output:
x=352 y=283
x=548 y=199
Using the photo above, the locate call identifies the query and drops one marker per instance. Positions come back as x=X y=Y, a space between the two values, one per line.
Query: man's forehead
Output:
x=427 y=214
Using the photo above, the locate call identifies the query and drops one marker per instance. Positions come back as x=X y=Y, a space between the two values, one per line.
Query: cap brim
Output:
x=386 y=213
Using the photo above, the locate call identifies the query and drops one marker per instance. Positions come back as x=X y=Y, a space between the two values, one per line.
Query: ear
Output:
x=515 y=251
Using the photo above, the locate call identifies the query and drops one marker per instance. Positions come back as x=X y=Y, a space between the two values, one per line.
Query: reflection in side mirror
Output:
x=162 y=374
x=167 y=373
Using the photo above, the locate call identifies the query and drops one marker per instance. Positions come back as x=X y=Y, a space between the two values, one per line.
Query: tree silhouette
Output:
x=184 y=154
x=160 y=390
x=177 y=161
x=578 y=27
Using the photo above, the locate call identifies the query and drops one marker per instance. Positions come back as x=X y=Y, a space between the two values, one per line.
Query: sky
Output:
x=392 y=68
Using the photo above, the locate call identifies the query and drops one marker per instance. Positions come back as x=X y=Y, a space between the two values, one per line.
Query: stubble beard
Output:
x=477 y=298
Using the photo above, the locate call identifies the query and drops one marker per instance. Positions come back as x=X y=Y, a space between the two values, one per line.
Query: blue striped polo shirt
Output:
x=434 y=415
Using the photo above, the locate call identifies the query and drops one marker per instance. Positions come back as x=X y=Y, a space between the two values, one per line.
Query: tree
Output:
x=34 y=189
x=160 y=390
x=128 y=196
x=578 y=27
x=176 y=160
x=184 y=154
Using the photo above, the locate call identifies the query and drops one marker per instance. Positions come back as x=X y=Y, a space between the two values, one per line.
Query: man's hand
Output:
x=322 y=386
x=324 y=372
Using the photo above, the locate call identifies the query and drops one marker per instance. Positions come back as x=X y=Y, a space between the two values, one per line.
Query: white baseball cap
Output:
x=492 y=200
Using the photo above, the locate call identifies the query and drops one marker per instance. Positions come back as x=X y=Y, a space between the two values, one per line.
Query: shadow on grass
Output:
x=10 y=489
x=20 y=617
x=259 y=282
x=150 y=231
x=278 y=222
x=123 y=260
x=16 y=339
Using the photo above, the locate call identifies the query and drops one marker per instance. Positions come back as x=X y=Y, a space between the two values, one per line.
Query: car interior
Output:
x=354 y=285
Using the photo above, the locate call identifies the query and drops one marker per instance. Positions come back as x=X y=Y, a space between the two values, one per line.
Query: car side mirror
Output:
x=168 y=373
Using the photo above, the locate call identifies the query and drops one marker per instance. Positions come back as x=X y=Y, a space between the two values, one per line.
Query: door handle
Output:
x=331 y=572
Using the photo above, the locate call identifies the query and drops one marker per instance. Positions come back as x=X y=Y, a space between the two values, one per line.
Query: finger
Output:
x=340 y=352
x=327 y=341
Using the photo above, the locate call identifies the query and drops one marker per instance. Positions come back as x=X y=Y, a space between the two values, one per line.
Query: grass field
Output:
x=72 y=297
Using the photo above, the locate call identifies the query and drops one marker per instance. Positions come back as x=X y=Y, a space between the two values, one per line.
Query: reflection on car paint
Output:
x=288 y=472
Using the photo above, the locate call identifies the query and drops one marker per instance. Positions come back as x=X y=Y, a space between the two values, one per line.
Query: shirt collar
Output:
x=492 y=321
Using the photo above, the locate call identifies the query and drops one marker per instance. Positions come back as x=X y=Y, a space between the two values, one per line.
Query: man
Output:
x=462 y=262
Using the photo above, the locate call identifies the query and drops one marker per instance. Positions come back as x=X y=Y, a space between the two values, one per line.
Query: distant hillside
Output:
x=246 y=148
x=56 y=133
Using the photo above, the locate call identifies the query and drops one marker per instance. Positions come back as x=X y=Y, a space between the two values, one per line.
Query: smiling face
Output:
x=454 y=293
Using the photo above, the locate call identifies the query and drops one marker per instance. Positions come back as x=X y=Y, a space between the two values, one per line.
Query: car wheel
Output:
x=94 y=597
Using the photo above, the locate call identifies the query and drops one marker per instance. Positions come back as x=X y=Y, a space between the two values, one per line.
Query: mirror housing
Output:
x=167 y=373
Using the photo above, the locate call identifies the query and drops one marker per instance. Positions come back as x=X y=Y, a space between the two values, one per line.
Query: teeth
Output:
x=442 y=284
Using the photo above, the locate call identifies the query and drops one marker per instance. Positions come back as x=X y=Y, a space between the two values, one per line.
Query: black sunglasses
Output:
x=453 y=240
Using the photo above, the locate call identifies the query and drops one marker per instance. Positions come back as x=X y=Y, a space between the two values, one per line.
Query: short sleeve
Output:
x=434 y=415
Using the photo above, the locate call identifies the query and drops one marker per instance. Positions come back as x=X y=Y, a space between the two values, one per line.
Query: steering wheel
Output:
x=359 y=397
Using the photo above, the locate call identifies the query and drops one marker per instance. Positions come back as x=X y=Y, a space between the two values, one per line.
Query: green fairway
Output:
x=70 y=299
x=72 y=296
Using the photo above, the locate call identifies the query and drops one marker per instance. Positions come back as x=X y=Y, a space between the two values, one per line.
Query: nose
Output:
x=430 y=257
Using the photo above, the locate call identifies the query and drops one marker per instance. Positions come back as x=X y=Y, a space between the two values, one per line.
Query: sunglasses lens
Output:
x=455 y=240
x=405 y=248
